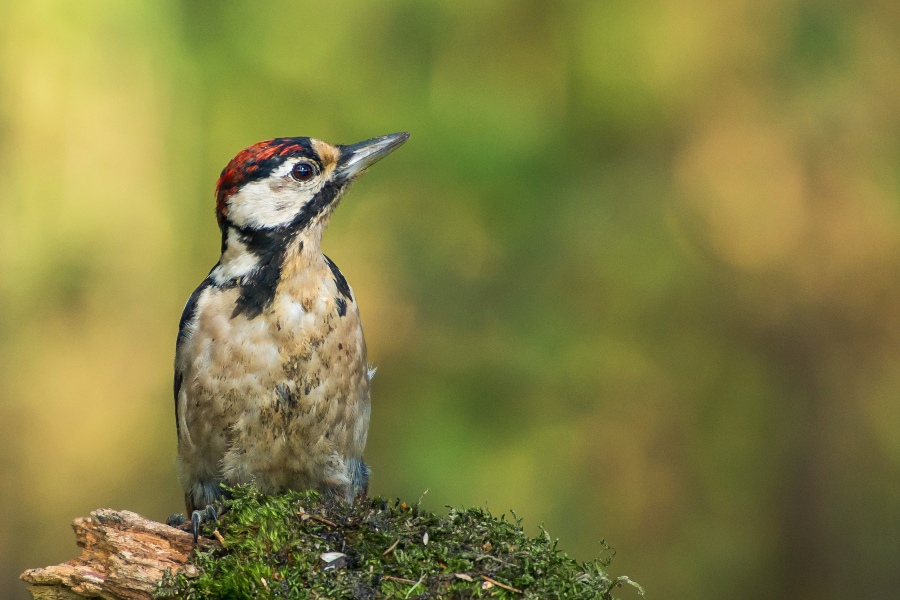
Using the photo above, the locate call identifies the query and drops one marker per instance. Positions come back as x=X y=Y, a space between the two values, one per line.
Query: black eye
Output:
x=303 y=171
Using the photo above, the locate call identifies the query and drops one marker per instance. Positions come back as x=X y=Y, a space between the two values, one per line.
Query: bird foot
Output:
x=210 y=513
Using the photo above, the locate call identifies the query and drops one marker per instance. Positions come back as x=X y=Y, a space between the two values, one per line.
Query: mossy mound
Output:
x=299 y=545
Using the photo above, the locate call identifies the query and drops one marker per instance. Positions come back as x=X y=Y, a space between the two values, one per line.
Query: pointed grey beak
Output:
x=356 y=158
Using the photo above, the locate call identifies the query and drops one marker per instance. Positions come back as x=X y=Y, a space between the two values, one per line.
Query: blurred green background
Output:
x=635 y=275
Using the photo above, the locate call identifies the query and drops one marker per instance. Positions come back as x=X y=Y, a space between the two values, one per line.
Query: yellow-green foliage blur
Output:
x=636 y=275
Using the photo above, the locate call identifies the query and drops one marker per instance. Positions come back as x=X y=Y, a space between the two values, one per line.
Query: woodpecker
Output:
x=271 y=379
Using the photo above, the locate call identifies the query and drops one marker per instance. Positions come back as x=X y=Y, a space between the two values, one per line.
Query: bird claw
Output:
x=175 y=520
x=210 y=513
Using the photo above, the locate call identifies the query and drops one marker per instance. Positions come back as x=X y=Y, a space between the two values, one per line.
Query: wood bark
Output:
x=123 y=556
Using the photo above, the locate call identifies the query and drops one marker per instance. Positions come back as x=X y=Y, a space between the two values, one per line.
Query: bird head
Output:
x=292 y=184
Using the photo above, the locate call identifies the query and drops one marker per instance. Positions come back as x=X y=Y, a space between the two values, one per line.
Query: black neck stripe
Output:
x=269 y=246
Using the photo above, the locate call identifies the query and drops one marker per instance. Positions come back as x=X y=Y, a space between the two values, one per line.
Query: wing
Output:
x=184 y=330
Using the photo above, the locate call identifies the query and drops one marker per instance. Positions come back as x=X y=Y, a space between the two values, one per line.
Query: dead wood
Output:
x=123 y=556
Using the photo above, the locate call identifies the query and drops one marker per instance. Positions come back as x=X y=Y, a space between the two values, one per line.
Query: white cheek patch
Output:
x=272 y=201
x=236 y=262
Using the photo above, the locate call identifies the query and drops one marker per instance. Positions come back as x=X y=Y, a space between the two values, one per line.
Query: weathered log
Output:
x=124 y=556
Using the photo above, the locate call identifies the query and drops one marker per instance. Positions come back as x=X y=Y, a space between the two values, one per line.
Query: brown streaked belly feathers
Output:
x=281 y=399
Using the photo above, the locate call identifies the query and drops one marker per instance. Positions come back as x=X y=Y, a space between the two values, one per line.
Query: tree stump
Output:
x=124 y=556
x=301 y=544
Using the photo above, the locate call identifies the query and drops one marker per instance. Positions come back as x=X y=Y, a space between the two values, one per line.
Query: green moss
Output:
x=274 y=545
